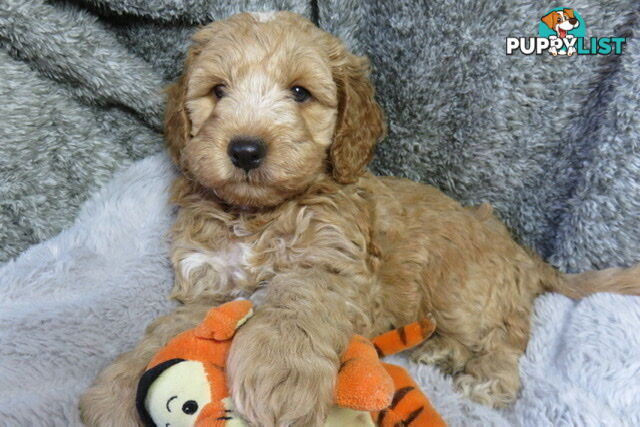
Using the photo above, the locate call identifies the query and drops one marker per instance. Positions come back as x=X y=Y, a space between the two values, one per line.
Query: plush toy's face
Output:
x=181 y=397
x=178 y=395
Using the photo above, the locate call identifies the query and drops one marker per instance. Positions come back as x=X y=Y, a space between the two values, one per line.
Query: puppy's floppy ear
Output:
x=360 y=123
x=177 y=125
x=569 y=13
x=550 y=19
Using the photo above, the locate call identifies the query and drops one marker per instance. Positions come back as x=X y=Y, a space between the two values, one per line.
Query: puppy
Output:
x=561 y=21
x=272 y=124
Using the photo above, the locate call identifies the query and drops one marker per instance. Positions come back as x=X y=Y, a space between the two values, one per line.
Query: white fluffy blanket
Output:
x=69 y=305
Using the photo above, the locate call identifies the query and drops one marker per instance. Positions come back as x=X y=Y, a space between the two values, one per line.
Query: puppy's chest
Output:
x=240 y=257
x=238 y=261
x=231 y=260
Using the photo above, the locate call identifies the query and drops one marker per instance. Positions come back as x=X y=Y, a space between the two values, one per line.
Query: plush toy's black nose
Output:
x=573 y=21
x=246 y=153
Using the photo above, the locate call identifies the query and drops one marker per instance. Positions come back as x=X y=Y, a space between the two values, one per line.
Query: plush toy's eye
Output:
x=300 y=94
x=190 y=407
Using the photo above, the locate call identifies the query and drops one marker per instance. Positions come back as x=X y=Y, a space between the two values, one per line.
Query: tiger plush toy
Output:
x=185 y=386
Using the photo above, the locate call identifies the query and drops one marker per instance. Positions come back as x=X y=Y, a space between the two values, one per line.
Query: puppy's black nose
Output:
x=573 y=21
x=246 y=153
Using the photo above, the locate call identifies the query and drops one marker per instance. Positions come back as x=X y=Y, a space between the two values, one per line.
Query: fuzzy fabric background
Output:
x=553 y=143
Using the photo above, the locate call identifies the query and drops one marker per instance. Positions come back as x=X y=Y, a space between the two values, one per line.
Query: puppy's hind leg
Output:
x=488 y=371
x=491 y=378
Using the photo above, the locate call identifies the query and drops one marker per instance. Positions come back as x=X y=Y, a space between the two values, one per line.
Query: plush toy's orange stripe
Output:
x=403 y=338
x=409 y=407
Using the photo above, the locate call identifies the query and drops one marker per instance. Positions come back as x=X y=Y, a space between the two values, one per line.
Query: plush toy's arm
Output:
x=409 y=407
x=221 y=322
x=403 y=338
x=363 y=384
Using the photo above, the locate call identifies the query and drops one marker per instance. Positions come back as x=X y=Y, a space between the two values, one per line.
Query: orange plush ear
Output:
x=569 y=13
x=550 y=19
x=363 y=384
x=360 y=122
x=222 y=321
x=409 y=407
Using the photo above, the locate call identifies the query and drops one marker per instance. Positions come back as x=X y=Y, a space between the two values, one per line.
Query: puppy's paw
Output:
x=489 y=392
x=445 y=353
x=491 y=378
x=279 y=379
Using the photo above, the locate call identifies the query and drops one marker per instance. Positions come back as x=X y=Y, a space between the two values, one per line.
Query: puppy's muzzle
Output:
x=246 y=153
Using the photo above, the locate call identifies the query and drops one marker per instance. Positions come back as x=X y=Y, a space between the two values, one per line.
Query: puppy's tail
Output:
x=615 y=280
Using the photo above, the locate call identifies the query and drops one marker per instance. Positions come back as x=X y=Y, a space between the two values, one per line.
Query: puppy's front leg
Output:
x=284 y=361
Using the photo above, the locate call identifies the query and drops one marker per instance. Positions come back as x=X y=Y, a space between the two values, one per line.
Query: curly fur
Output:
x=324 y=247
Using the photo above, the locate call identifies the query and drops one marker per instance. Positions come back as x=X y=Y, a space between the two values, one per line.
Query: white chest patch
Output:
x=230 y=264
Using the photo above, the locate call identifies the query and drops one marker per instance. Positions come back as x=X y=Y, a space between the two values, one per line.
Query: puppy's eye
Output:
x=219 y=91
x=300 y=94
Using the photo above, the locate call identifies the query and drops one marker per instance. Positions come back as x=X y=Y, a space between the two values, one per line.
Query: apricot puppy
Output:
x=273 y=123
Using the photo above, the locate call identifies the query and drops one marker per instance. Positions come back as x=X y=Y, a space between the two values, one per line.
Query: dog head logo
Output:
x=561 y=21
x=562 y=26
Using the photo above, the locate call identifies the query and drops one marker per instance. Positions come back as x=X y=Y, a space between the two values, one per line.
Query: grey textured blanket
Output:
x=553 y=143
